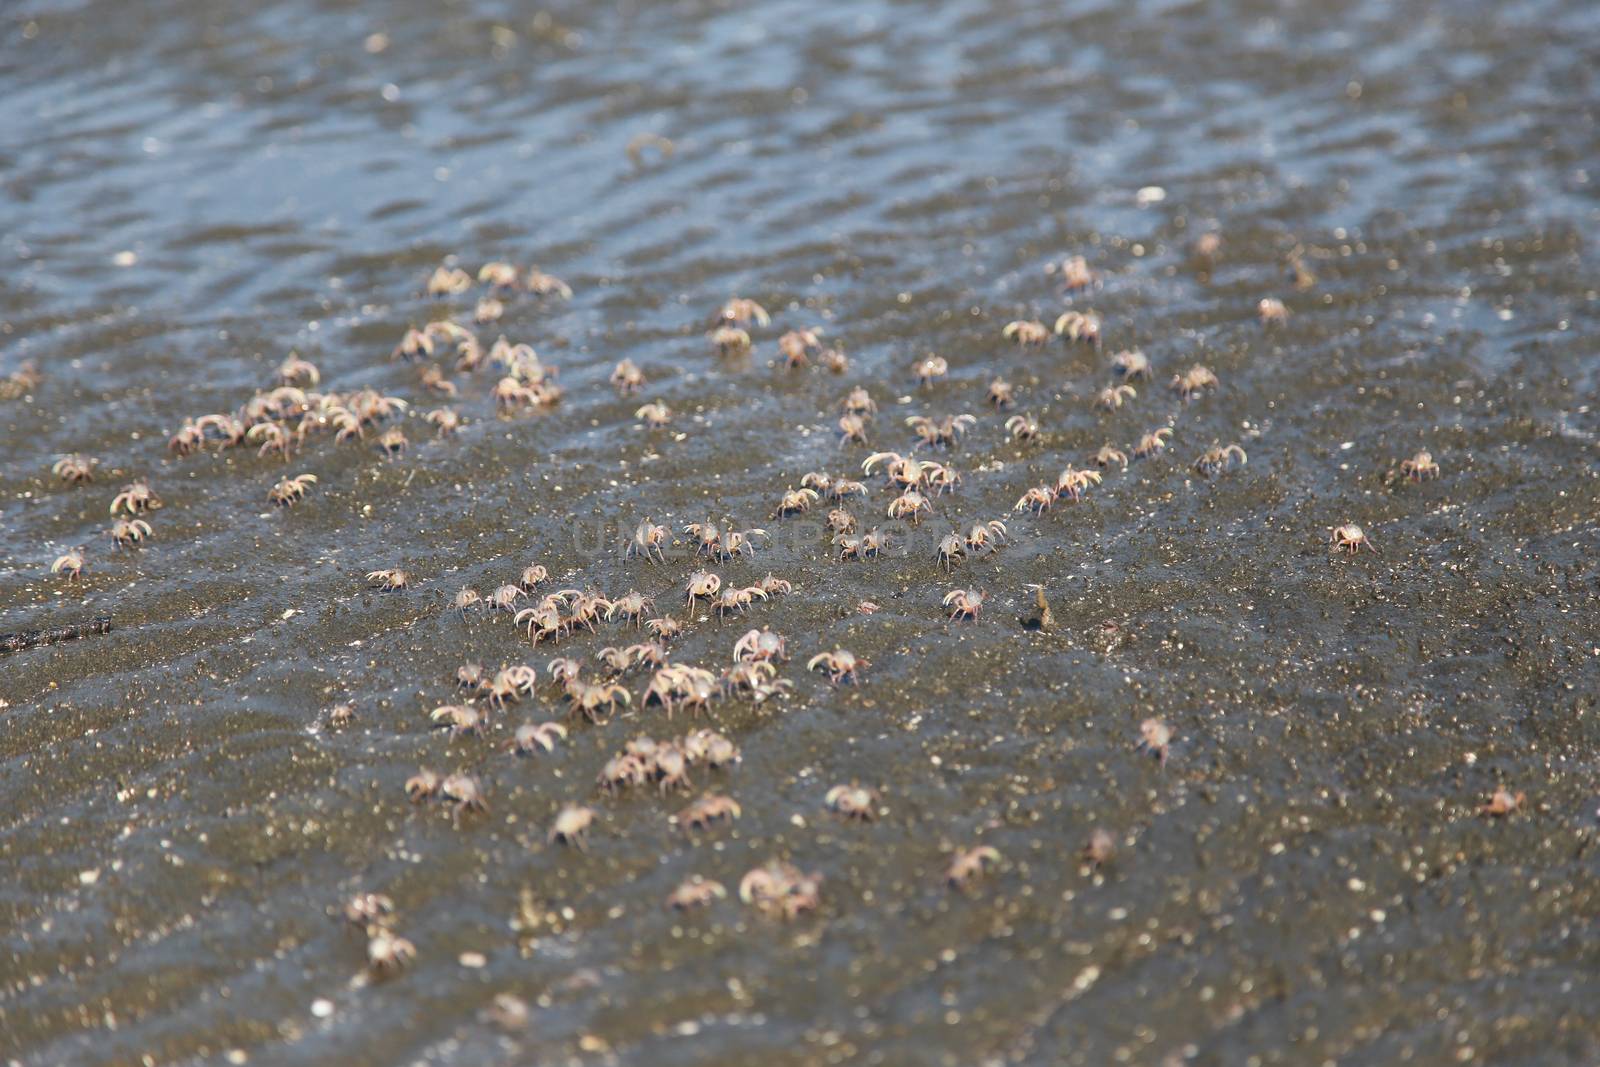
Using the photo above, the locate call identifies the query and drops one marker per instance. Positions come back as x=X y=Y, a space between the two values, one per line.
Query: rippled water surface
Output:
x=191 y=190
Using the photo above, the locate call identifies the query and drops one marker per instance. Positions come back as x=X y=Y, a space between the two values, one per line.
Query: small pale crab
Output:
x=135 y=498
x=741 y=311
x=1155 y=737
x=696 y=892
x=969 y=864
x=1419 y=467
x=1099 y=849
x=392 y=442
x=860 y=402
x=1073 y=483
x=1194 y=381
x=795 y=502
x=1108 y=455
x=587 y=699
x=465 y=791
x=1022 y=427
x=537 y=737
x=654 y=415
x=990 y=535
x=626 y=377
x=571 y=826
x=129 y=531
x=1000 y=394
x=1351 y=538
x=445 y=420
x=647 y=541
x=1271 y=311
x=533 y=574
x=909 y=505
x=632 y=607
x=796 y=346
x=424 y=785
x=504 y=598
x=389 y=580
x=75 y=469
x=853 y=802
x=964 y=603
x=730 y=340
x=1027 y=333
x=708 y=810
x=1078 y=326
x=929 y=368
x=952 y=550
x=760 y=646
x=1113 y=397
x=1076 y=274
x=69 y=564
x=1219 y=458
x=448 y=281
x=703 y=585
x=387 y=951
x=461 y=720
x=1152 y=443
x=1131 y=365
x=839 y=664
x=290 y=491
x=539 y=283
x=1037 y=500
x=1503 y=803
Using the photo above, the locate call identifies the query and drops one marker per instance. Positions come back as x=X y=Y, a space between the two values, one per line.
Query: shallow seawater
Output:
x=191 y=190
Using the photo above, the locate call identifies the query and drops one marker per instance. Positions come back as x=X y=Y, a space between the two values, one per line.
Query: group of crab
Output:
x=128 y=527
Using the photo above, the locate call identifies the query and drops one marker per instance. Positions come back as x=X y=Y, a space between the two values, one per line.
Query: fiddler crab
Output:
x=539 y=283
x=465 y=792
x=654 y=414
x=448 y=281
x=489 y=309
x=796 y=346
x=445 y=420
x=730 y=340
x=465 y=599
x=1026 y=333
x=964 y=603
x=1079 y=326
x=1072 y=483
x=130 y=531
x=1218 y=458
x=389 y=580
x=534 y=737
x=1130 y=365
x=1108 y=455
x=1419 y=467
x=1503 y=803
x=461 y=720
x=696 y=892
x=627 y=378
x=1076 y=275
x=860 y=402
x=75 y=469
x=69 y=564
x=795 y=502
x=135 y=498
x=1000 y=394
x=571 y=826
x=1037 y=500
x=1099 y=849
x=1022 y=427
x=760 y=646
x=969 y=864
x=945 y=431
x=290 y=491
x=702 y=585
x=1350 y=538
x=707 y=811
x=1194 y=381
x=741 y=311
x=853 y=802
x=852 y=429
x=1113 y=397
x=781 y=890
x=930 y=368
x=647 y=541
x=1152 y=443
x=867 y=546
x=388 y=952
x=839 y=664
x=1271 y=311
x=1155 y=737
x=909 y=505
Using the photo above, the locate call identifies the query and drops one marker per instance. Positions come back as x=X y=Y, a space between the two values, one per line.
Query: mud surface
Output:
x=189 y=190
